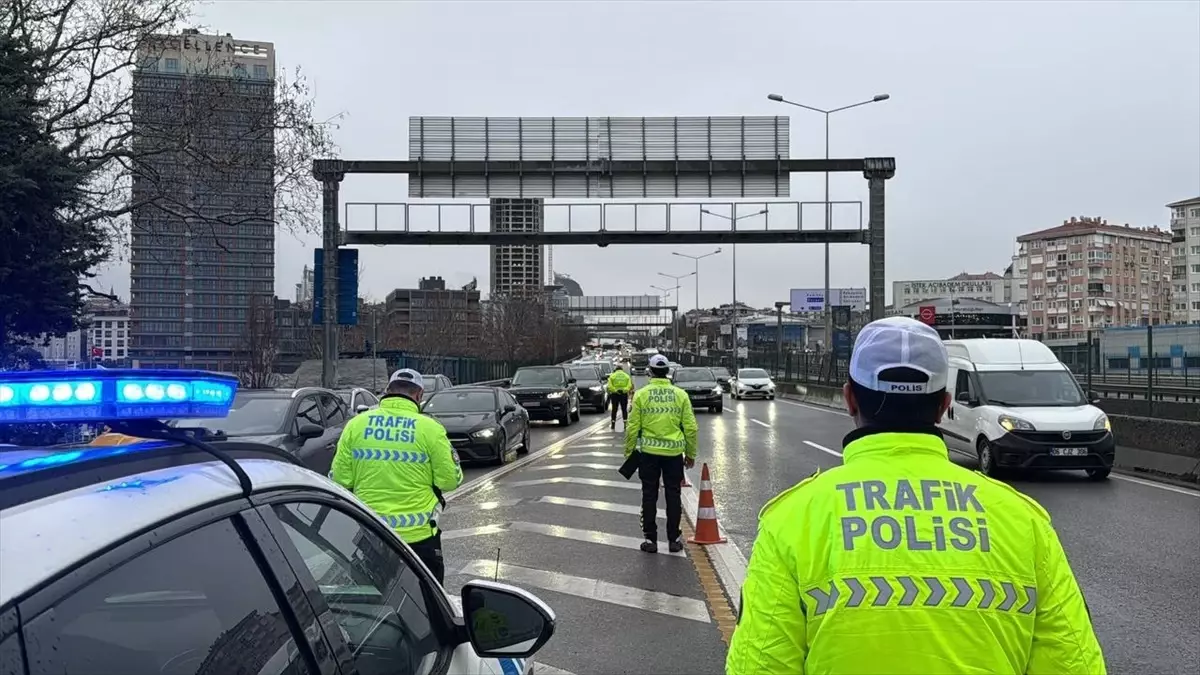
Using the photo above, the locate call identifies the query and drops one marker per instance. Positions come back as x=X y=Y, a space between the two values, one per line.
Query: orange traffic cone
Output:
x=707 y=531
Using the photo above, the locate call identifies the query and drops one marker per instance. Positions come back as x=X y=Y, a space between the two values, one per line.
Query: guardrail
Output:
x=1142 y=391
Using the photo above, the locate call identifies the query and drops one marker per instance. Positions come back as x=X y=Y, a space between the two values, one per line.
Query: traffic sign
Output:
x=927 y=314
x=97 y=352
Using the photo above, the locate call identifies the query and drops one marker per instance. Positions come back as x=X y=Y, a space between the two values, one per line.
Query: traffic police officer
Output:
x=619 y=387
x=398 y=462
x=900 y=561
x=662 y=426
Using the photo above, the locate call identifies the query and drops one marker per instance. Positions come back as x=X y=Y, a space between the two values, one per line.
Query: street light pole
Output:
x=733 y=220
x=828 y=207
x=666 y=293
x=696 y=259
x=674 y=326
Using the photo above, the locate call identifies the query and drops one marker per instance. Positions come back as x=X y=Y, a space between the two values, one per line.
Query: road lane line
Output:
x=592 y=589
x=823 y=449
x=597 y=505
x=578 y=481
x=572 y=455
x=561 y=532
x=761 y=423
x=576 y=465
x=540 y=668
x=1153 y=484
x=491 y=477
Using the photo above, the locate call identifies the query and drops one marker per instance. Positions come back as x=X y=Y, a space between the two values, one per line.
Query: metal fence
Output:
x=787 y=366
x=463 y=369
x=1165 y=355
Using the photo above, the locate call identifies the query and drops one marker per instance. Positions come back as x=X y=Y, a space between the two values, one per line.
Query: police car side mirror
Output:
x=309 y=430
x=502 y=621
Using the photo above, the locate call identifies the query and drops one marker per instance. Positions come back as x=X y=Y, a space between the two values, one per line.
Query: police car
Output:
x=187 y=554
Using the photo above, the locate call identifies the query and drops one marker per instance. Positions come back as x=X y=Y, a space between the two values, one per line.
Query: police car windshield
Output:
x=538 y=376
x=461 y=402
x=693 y=375
x=251 y=415
x=1032 y=388
x=752 y=374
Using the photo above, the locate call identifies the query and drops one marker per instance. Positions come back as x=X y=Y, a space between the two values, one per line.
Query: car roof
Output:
x=467 y=388
x=103 y=514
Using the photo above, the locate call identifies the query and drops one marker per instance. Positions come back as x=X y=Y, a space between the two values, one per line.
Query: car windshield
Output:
x=606 y=367
x=432 y=384
x=752 y=374
x=640 y=359
x=1030 y=388
x=250 y=415
x=581 y=374
x=547 y=377
x=461 y=402
x=719 y=372
x=693 y=375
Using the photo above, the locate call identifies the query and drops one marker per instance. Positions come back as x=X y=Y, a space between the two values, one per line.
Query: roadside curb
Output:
x=492 y=476
x=727 y=558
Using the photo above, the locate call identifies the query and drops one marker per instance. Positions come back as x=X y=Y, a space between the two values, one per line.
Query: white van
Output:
x=1015 y=405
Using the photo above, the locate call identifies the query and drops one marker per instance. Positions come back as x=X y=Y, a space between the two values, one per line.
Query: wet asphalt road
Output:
x=1134 y=546
x=541 y=434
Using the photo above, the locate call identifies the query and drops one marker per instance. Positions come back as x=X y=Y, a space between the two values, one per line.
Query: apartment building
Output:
x=202 y=249
x=1185 y=261
x=432 y=317
x=517 y=270
x=1087 y=274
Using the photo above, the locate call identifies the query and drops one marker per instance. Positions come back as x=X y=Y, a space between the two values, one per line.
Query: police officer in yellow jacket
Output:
x=398 y=462
x=900 y=561
x=620 y=385
x=662 y=426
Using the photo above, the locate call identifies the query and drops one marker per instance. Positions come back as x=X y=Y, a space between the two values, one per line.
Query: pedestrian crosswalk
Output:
x=583 y=520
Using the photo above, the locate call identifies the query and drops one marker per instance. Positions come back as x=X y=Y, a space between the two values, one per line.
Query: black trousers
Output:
x=621 y=399
x=657 y=469
x=430 y=553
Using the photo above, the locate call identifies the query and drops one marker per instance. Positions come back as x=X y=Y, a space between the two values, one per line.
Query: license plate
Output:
x=1068 y=452
x=531 y=404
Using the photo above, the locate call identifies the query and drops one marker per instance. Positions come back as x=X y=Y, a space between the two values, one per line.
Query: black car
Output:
x=484 y=424
x=701 y=387
x=547 y=393
x=305 y=422
x=590 y=382
x=722 y=375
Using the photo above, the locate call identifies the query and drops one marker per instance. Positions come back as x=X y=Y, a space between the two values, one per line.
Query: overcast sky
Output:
x=1004 y=117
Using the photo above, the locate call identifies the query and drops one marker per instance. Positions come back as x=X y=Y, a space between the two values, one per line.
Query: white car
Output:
x=189 y=555
x=752 y=383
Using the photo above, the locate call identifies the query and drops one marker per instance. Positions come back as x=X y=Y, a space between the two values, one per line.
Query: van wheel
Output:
x=987 y=458
x=1098 y=474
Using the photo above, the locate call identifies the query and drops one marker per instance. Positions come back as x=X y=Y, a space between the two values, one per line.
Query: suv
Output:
x=215 y=556
x=547 y=392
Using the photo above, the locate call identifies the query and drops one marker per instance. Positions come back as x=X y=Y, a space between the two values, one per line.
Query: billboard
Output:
x=813 y=299
x=577 y=157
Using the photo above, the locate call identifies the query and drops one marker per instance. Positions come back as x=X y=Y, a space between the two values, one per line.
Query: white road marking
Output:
x=634 y=485
x=543 y=669
x=576 y=465
x=1116 y=476
x=572 y=455
x=491 y=477
x=597 y=505
x=761 y=423
x=592 y=589
x=823 y=449
x=727 y=558
x=572 y=533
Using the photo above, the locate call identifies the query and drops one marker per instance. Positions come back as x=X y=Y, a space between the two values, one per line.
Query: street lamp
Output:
x=666 y=292
x=878 y=98
x=696 y=259
x=733 y=220
x=674 y=325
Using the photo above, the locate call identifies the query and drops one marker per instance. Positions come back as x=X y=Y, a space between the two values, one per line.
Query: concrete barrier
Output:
x=1161 y=447
x=1169 y=410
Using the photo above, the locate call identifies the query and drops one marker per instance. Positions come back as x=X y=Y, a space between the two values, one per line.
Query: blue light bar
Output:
x=115 y=394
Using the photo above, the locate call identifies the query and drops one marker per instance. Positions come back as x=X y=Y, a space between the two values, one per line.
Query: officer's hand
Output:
x=689 y=462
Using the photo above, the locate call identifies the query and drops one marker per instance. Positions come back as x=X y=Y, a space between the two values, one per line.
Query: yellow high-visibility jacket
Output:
x=900 y=561
x=663 y=419
x=392 y=458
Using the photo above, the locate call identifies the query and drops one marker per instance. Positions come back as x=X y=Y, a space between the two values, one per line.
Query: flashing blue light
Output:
x=115 y=394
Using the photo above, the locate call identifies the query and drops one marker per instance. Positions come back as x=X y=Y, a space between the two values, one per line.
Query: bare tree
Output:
x=88 y=51
x=522 y=330
x=445 y=326
x=260 y=347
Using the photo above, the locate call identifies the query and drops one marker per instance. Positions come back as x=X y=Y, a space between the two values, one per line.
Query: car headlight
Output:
x=1014 y=423
x=716 y=390
x=596 y=388
x=484 y=433
x=556 y=394
x=1103 y=423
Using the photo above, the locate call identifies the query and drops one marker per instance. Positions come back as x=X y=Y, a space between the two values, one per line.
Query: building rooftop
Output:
x=1086 y=225
x=1186 y=202
x=986 y=276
